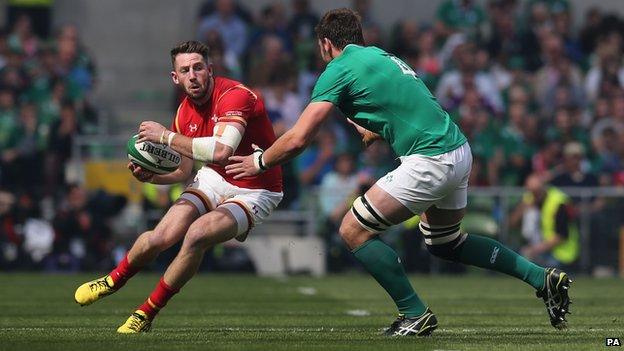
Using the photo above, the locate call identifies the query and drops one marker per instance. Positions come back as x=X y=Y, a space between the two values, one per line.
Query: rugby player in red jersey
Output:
x=218 y=118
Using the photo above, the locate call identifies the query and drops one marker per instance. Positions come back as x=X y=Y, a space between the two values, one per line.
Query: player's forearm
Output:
x=179 y=175
x=181 y=144
x=176 y=176
x=285 y=148
x=217 y=154
x=294 y=141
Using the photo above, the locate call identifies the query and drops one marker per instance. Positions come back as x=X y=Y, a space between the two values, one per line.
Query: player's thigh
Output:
x=250 y=207
x=212 y=228
x=442 y=217
x=450 y=209
x=417 y=184
x=207 y=190
x=370 y=215
x=174 y=223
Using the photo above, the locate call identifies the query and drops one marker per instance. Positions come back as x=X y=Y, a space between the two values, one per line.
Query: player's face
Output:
x=193 y=74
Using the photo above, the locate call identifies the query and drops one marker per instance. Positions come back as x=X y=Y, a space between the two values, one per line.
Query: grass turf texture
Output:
x=239 y=312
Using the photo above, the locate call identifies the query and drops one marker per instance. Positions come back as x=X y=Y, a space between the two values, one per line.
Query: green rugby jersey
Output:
x=381 y=93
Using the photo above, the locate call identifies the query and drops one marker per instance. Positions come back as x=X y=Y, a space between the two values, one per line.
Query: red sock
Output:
x=158 y=299
x=122 y=273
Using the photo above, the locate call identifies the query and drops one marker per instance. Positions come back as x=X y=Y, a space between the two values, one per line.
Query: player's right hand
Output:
x=142 y=175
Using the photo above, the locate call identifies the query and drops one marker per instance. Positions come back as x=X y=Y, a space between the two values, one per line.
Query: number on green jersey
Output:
x=403 y=66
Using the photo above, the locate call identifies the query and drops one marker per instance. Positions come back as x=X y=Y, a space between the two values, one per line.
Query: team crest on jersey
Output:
x=193 y=127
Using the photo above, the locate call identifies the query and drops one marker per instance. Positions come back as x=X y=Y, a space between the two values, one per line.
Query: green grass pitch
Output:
x=345 y=312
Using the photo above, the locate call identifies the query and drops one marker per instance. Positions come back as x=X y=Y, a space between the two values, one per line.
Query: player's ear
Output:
x=174 y=77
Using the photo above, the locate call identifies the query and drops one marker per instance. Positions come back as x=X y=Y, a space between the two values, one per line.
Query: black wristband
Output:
x=260 y=162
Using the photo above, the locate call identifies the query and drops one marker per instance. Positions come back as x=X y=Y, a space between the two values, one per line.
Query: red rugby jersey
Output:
x=232 y=102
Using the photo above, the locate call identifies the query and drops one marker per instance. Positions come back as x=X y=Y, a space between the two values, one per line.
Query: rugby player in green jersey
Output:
x=383 y=98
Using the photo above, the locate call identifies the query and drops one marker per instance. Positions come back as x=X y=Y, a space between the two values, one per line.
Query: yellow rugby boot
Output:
x=138 y=322
x=94 y=290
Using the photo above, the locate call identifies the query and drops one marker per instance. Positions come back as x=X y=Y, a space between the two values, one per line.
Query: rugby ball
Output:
x=154 y=157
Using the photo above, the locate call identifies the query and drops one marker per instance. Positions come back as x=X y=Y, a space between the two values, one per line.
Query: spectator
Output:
x=590 y=31
x=363 y=8
x=548 y=225
x=282 y=104
x=557 y=72
x=314 y=163
x=273 y=58
x=575 y=171
x=513 y=161
x=454 y=83
x=209 y=7
x=22 y=38
x=429 y=65
x=59 y=148
x=566 y=128
x=232 y=28
x=609 y=152
x=405 y=38
x=607 y=73
x=377 y=160
x=460 y=15
x=74 y=64
x=337 y=191
x=505 y=40
x=224 y=63
x=271 y=24
x=21 y=158
x=301 y=28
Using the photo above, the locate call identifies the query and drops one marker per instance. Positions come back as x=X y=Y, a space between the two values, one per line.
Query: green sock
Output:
x=488 y=253
x=382 y=262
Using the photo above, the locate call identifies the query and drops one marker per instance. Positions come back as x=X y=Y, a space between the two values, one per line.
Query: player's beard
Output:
x=197 y=95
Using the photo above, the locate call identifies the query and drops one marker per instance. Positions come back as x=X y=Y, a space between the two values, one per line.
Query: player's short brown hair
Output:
x=190 y=47
x=342 y=27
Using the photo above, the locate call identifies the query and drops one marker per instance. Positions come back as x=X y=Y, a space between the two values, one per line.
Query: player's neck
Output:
x=335 y=52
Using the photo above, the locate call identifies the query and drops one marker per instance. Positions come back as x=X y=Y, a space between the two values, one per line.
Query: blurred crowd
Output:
x=535 y=90
x=46 y=78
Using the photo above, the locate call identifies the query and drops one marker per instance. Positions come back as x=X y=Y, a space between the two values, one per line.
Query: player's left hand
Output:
x=152 y=131
x=243 y=166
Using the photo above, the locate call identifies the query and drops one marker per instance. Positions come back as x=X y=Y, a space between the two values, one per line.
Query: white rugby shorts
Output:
x=210 y=190
x=422 y=181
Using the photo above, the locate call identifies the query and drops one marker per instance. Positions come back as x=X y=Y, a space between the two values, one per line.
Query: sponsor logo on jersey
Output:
x=234 y=113
x=494 y=255
x=193 y=127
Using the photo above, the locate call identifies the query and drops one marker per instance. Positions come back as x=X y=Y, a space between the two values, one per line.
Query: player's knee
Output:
x=352 y=233
x=347 y=231
x=162 y=237
x=445 y=242
x=196 y=237
x=155 y=239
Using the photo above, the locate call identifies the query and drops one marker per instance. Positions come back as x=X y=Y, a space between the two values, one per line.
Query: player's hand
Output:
x=243 y=166
x=367 y=136
x=152 y=131
x=142 y=175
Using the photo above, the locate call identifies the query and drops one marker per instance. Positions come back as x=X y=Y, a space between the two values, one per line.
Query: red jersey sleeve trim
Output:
x=234 y=119
x=176 y=122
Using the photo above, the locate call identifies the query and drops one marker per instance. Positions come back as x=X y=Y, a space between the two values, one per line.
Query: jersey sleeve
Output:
x=236 y=105
x=175 y=124
x=332 y=85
